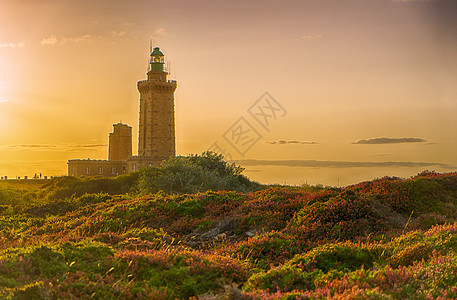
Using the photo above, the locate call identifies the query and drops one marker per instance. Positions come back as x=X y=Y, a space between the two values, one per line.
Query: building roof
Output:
x=157 y=52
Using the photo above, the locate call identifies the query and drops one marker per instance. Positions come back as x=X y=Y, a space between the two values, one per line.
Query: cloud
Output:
x=157 y=33
x=89 y=146
x=338 y=164
x=81 y=38
x=52 y=40
x=283 y=142
x=119 y=33
x=382 y=140
x=12 y=45
x=381 y=154
x=254 y=171
x=49 y=41
x=3 y=100
x=160 y=31
x=51 y=147
x=311 y=36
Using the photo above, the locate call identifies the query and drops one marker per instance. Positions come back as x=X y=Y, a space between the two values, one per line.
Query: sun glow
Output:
x=3 y=114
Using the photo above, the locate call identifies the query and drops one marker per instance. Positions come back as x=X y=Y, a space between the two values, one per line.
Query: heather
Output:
x=143 y=236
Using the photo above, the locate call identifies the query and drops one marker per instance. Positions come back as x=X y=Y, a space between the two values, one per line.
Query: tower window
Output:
x=100 y=170
x=87 y=170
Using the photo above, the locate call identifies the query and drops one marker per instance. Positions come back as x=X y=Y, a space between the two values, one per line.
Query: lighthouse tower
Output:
x=156 y=136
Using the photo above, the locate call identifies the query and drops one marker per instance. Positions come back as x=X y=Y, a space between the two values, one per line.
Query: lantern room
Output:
x=157 y=60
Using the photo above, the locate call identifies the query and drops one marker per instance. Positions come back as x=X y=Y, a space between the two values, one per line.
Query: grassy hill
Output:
x=382 y=239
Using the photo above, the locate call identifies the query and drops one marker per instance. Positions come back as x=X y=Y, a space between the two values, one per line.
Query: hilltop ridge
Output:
x=385 y=238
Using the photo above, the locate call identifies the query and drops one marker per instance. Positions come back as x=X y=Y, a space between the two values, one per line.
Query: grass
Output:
x=386 y=238
x=29 y=184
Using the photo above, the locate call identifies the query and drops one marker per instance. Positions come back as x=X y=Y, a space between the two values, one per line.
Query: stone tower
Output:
x=156 y=137
x=120 y=143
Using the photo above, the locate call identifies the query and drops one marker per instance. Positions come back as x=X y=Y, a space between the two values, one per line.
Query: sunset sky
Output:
x=367 y=88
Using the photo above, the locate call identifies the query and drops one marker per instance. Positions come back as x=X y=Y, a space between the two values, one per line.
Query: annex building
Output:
x=156 y=134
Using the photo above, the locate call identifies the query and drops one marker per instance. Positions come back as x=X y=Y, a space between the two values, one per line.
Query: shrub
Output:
x=68 y=186
x=341 y=257
x=283 y=279
x=194 y=173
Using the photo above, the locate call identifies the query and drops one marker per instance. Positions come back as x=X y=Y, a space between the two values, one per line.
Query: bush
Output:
x=341 y=257
x=283 y=279
x=68 y=186
x=12 y=196
x=192 y=174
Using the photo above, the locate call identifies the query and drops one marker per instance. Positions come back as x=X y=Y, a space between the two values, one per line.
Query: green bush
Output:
x=192 y=174
x=282 y=278
x=12 y=196
x=34 y=291
x=68 y=186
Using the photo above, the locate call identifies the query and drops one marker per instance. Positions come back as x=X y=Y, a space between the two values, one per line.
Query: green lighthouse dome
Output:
x=157 y=60
x=157 y=52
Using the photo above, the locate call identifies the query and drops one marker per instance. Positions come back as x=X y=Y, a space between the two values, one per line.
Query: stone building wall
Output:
x=96 y=168
x=134 y=163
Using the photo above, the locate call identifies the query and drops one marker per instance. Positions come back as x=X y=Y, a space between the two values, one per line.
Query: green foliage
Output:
x=13 y=197
x=310 y=269
x=66 y=187
x=188 y=174
x=76 y=239
x=194 y=173
x=31 y=291
x=82 y=269
x=54 y=195
x=340 y=257
x=283 y=279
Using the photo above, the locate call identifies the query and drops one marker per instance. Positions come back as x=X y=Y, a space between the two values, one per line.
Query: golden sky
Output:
x=367 y=87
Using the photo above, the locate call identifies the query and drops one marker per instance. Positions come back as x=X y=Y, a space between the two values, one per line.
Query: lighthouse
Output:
x=156 y=134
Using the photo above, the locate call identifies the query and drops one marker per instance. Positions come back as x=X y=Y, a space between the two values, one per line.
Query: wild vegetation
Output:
x=195 y=227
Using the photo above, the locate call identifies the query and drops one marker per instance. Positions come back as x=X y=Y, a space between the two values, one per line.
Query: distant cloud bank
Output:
x=311 y=36
x=118 y=33
x=284 y=142
x=49 y=41
x=48 y=147
x=338 y=164
x=12 y=45
x=381 y=154
x=382 y=140
x=52 y=40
